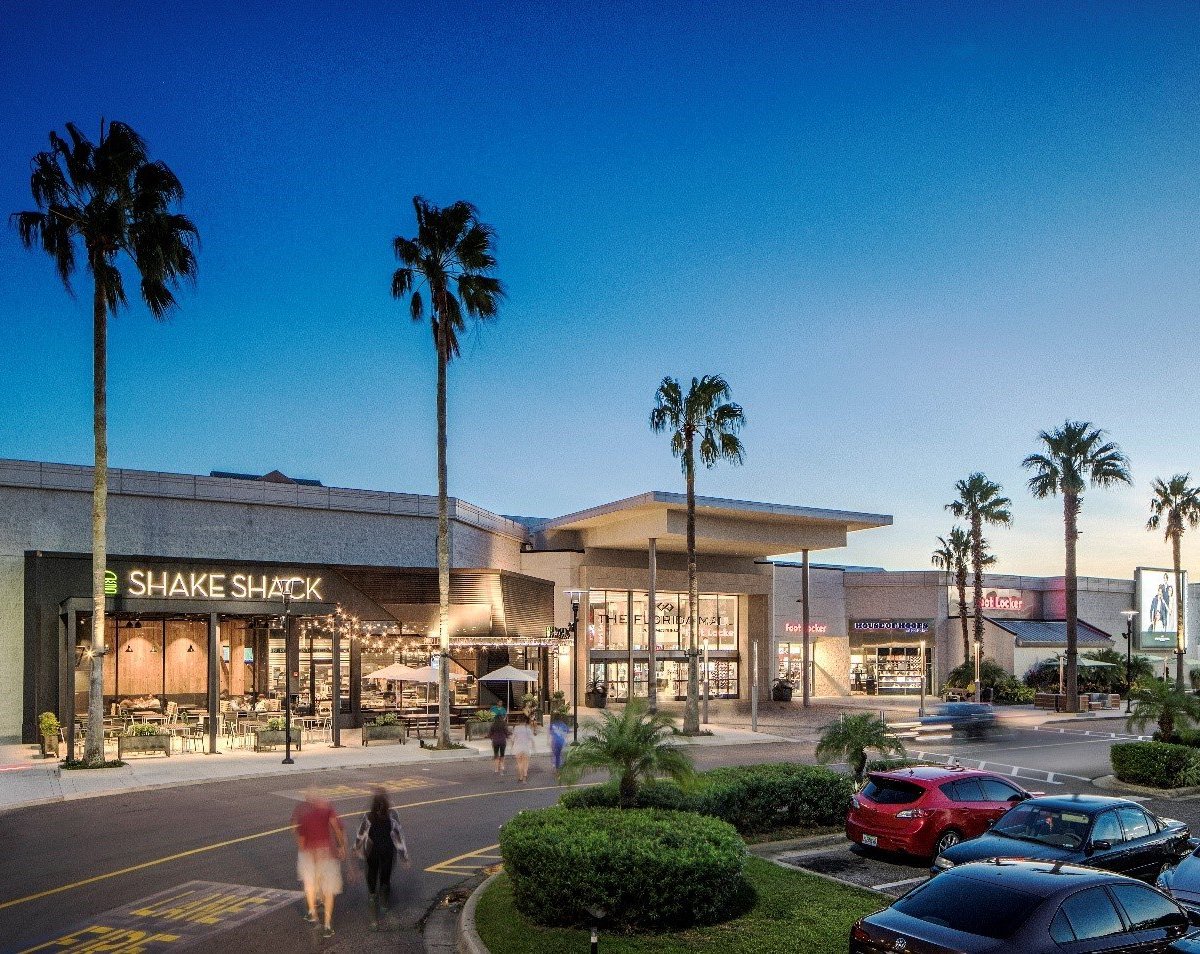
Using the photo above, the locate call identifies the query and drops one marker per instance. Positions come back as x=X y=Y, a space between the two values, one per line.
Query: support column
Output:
x=806 y=681
x=652 y=606
x=67 y=664
x=214 y=680
x=355 y=682
x=335 y=712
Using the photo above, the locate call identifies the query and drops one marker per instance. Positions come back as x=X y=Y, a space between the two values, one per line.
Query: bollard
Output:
x=595 y=941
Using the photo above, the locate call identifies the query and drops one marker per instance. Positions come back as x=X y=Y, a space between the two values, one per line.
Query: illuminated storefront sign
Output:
x=815 y=629
x=911 y=626
x=995 y=600
x=213 y=585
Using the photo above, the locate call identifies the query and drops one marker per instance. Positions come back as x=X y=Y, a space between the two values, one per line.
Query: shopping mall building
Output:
x=197 y=611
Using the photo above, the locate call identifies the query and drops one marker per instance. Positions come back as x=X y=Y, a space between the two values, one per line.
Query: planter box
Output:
x=595 y=700
x=266 y=739
x=142 y=745
x=781 y=693
x=49 y=746
x=477 y=730
x=383 y=733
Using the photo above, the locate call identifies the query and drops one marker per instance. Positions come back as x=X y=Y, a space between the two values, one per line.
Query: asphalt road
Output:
x=67 y=864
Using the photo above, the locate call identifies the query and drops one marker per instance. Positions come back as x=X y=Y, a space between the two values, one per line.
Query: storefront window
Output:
x=666 y=623
x=617 y=602
x=639 y=621
x=597 y=620
x=727 y=626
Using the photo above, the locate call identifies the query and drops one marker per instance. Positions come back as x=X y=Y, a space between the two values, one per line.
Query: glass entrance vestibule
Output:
x=618 y=640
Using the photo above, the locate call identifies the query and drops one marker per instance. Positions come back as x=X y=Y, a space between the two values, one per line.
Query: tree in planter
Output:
x=979 y=501
x=1175 y=506
x=453 y=256
x=851 y=737
x=110 y=198
x=703 y=421
x=1073 y=457
x=632 y=747
x=48 y=726
x=1157 y=701
x=953 y=554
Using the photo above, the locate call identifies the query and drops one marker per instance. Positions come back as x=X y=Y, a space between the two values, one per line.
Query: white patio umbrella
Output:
x=1061 y=663
x=396 y=672
x=510 y=674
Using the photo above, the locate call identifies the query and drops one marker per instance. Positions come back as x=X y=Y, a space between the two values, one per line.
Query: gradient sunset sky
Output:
x=910 y=236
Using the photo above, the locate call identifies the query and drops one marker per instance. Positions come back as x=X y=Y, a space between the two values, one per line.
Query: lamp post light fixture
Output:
x=707 y=685
x=1130 y=615
x=921 y=708
x=978 y=655
x=576 y=662
x=286 y=587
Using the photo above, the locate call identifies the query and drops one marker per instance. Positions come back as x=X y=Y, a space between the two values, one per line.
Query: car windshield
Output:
x=954 y=901
x=890 y=791
x=1061 y=828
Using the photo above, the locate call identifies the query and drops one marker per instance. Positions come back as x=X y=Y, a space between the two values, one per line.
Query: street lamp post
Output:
x=286 y=587
x=707 y=687
x=921 y=709
x=978 y=653
x=576 y=661
x=1130 y=615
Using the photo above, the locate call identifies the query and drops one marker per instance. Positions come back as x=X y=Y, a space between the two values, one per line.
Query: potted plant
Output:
x=478 y=725
x=143 y=737
x=48 y=726
x=385 y=728
x=529 y=705
x=781 y=690
x=271 y=735
x=596 y=695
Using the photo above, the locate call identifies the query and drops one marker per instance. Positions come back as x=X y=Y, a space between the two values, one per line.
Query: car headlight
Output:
x=941 y=862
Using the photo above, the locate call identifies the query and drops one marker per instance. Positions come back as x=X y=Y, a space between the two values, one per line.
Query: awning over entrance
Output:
x=1052 y=633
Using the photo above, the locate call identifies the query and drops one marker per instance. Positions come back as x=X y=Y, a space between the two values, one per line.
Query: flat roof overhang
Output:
x=723 y=526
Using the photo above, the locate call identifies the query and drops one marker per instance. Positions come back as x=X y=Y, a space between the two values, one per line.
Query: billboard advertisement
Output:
x=1158 y=627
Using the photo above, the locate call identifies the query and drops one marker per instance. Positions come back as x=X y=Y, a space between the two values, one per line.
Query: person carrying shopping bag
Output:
x=379 y=840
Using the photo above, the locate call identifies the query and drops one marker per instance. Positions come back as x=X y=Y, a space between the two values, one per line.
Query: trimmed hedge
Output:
x=645 y=869
x=752 y=798
x=1157 y=764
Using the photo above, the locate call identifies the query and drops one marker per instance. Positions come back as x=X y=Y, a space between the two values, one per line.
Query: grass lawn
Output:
x=794 y=912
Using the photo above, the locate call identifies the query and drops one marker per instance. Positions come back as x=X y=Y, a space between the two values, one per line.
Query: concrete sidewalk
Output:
x=27 y=779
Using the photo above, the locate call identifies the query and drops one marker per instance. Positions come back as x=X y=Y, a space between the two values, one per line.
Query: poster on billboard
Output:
x=1158 y=627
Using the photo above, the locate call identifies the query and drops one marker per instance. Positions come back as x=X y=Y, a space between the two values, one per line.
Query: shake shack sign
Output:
x=216 y=584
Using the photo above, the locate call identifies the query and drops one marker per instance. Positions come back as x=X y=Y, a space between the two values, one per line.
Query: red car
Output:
x=926 y=809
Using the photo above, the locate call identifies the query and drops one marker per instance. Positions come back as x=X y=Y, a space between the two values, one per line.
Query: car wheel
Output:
x=947 y=839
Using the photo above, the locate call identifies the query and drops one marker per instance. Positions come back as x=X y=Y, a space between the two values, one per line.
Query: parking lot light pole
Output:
x=1130 y=615
x=576 y=662
x=285 y=587
x=921 y=708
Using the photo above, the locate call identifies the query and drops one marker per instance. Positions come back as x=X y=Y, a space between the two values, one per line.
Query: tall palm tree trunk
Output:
x=1071 y=525
x=443 y=552
x=1180 y=644
x=691 y=709
x=977 y=566
x=94 y=746
x=960 y=576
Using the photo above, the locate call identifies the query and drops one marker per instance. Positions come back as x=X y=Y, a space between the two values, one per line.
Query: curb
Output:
x=765 y=848
x=299 y=770
x=469 y=941
x=1114 y=784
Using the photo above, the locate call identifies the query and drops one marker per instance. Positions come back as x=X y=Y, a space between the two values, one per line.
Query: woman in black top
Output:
x=378 y=841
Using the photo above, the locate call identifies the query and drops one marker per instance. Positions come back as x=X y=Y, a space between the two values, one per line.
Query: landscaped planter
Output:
x=143 y=745
x=49 y=747
x=595 y=700
x=383 y=733
x=781 y=692
x=265 y=739
x=478 y=730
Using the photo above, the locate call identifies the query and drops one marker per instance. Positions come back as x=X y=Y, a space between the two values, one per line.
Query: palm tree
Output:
x=632 y=747
x=1157 y=701
x=850 y=738
x=1073 y=457
x=980 y=501
x=705 y=421
x=953 y=554
x=1174 y=506
x=451 y=257
x=108 y=198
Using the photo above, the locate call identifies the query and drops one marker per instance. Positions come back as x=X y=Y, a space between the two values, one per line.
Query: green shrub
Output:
x=752 y=798
x=48 y=724
x=890 y=765
x=388 y=718
x=276 y=724
x=1157 y=764
x=646 y=869
x=142 y=728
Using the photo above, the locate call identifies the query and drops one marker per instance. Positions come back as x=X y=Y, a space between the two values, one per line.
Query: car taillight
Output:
x=854 y=802
x=914 y=813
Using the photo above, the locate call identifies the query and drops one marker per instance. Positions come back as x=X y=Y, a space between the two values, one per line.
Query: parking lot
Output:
x=891 y=874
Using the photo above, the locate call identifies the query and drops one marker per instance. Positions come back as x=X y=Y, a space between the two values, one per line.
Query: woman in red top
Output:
x=321 y=844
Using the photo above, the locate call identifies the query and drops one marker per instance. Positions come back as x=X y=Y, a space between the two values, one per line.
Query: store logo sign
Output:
x=892 y=625
x=110 y=583
x=221 y=586
x=815 y=629
x=1002 y=600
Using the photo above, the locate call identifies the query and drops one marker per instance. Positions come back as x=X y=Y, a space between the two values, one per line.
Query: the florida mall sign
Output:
x=212 y=585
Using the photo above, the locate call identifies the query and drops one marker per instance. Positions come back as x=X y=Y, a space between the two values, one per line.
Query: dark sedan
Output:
x=1027 y=906
x=1092 y=830
x=972 y=719
x=1183 y=883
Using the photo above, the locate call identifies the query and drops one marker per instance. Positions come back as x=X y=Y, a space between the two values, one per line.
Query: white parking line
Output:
x=1002 y=768
x=1092 y=732
x=898 y=884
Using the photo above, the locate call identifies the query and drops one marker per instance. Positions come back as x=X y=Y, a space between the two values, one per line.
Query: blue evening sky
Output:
x=909 y=234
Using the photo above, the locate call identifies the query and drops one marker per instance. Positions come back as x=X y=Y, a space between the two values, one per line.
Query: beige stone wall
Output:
x=12 y=645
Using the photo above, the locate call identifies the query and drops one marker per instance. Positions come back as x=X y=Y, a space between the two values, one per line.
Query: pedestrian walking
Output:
x=321 y=847
x=558 y=740
x=379 y=840
x=499 y=733
x=522 y=737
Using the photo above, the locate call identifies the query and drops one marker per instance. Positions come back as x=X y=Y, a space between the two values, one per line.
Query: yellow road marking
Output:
x=452 y=866
x=244 y=838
